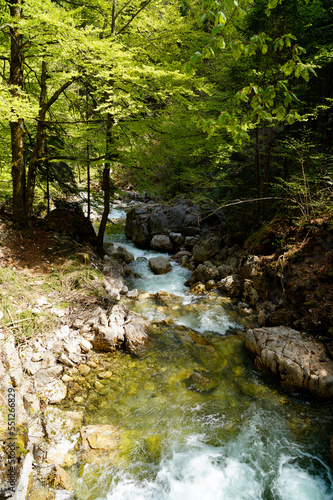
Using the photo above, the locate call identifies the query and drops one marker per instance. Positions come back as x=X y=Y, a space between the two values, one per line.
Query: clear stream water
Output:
x=246 y=439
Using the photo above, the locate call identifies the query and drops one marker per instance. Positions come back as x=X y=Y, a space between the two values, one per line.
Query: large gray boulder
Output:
x=298 y=360
x=161 y=242
x=136 y=227
x=205 y=272
x=207 y=247
x=160 y=265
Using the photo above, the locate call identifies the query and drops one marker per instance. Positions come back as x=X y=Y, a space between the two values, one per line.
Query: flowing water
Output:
x=196 y=419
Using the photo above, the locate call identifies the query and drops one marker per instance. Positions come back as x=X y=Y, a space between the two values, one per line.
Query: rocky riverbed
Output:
x=71 y=365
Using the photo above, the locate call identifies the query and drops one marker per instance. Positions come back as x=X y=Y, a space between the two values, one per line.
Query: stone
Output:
x=49 y=374
x=225 y=270
x=210 y=285
x=161 y=242
x=72 y=223
x=230 y=286
x=132 y=294
x=179 y=255
x=250 y=294
x=205 y=272
x=190 y=241
x=42 y=494
x=85 y=345
x=84 y=258
x=201 y=382
x=108 y=338
x=122 y=253
x=54 y=391
x=300 y=361
x=84 y=369
x=10 y=358
x=160 y=265
x=136 y=336
x=177 y=239
x=24 y=484
x=77 y=323
x=261 y=317
x=100 y=437
x=65 y=360
x=198 y=288
x=58 y=423
x=207 y=247
x=31 y=404
x=58 y=478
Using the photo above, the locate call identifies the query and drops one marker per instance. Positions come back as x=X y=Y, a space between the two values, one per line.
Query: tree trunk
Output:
x=106 y=184
x=17 y=127
x=39 y=146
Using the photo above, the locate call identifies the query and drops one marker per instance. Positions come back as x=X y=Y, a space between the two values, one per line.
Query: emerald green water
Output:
x=196 y=420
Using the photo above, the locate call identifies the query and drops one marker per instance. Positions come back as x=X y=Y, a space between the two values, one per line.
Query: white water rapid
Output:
x=246 y=440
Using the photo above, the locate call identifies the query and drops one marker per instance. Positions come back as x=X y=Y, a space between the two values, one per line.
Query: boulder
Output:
x=73 y=224
x=55 y=391
x=158 y=222
x=160 y=265
x=136 y=336
x=230 y=286
x=207 y=247
x=161 y=242
x=136 y=227
x=99 y=442
x=301 y=362
x=122 y=253
x=108 y=338
x=177 y=239
x=205 y=272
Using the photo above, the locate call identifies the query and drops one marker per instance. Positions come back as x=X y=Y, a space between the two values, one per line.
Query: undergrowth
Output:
x=31 y=304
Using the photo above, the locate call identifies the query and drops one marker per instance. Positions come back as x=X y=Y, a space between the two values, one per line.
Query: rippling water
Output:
x=244 y=439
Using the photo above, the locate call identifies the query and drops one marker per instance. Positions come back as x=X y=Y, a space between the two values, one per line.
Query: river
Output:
x=242 y=438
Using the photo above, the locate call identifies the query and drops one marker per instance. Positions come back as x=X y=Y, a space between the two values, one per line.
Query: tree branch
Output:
x=147 y=2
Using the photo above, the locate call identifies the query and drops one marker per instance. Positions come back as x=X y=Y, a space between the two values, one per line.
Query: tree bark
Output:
x=106 y=184
x=17 y=127
x=39 y=145
x=44 y=105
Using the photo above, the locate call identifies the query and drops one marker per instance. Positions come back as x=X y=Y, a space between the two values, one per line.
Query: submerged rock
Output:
x=201 y=382
x=300 y=361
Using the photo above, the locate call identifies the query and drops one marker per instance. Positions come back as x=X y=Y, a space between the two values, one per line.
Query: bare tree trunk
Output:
x=106 y=185
x=17 y=127
x=38 y=149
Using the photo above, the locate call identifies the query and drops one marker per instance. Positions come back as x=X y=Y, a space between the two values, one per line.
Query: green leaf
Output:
x=202 y=20
x=264 y=48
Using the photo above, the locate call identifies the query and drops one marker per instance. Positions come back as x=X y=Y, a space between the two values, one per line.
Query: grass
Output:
x=32 y=303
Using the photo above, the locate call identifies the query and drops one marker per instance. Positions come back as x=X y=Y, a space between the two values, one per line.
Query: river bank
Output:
x=92 y=379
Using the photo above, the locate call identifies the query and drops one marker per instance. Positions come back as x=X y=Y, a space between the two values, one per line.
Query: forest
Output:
x=225 y=102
